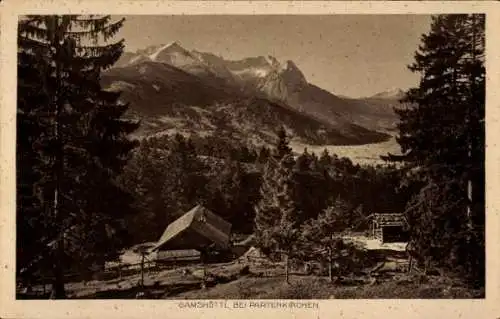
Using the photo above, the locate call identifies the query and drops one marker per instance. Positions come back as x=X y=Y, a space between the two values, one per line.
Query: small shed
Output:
x=389 y=227
x=197 y=229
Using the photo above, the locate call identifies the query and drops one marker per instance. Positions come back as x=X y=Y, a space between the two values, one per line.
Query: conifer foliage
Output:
x=442 y=136
x=276 y=213
x=282 y=148
x=323 y=232
x=72 y=141
x=276 y=219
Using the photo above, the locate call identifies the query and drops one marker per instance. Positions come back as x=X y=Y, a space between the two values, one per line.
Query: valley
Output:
x=367 y=154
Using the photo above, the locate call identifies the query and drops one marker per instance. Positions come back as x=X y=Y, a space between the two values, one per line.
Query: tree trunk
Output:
x=413 y=256
x=142 y=270
x=58 y=291
x=469 y=222
x=286 y=269
x=410 y=262
x=330 y=264
x=58 y=283
x=470 y=141
x=204 y=260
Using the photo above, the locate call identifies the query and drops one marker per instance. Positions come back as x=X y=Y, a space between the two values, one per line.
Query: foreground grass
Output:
x=231 y=283
x=263 y=279
x=320 y=288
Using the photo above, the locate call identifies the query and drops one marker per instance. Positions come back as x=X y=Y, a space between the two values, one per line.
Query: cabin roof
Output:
x=198 y=229
x=389 y=219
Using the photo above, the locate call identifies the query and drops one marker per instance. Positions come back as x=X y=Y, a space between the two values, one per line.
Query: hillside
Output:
x=173 y=89
x=152 y=88
x=170 y=100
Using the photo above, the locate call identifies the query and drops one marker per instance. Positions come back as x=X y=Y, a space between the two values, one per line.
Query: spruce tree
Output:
x=277 y=218
x=184 y=181
x=323 y=232
x=264 y=154
x=325 y=159
x=283 y=144
x=233 y=189
x=144 y=172
x=442 y=138
x=72 y=135
x=311 y=186
x=267 y=209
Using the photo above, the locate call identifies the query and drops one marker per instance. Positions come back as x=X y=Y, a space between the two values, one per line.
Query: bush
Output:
x=244 y=271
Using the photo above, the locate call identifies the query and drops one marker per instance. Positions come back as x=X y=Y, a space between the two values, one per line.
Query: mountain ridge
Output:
x=158 y=77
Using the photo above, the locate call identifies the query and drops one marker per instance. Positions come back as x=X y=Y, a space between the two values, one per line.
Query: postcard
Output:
x=216 y=159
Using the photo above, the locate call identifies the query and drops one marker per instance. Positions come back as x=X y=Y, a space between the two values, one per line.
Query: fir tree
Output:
x=267 y=210
x=276 y=220
x=311 y=186
x=72 y=135
x=184 y=182
x=442 y=137
x=283 y=144
x=323 y=233
x=264 y=154
x=325 y=158
x=142 y=176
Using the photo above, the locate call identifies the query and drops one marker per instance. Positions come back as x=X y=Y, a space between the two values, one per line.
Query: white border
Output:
x=11 y=308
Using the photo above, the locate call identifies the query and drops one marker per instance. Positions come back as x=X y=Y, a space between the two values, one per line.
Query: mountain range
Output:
x=172 y=89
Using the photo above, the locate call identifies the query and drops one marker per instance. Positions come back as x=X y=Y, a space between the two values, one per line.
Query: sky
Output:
x=349 y=55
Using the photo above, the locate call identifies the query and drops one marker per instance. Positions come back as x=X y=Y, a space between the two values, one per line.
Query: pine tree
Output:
x=142 y=175
x=311 y=190
x=73 y=137
x=285 y=234
x=233 y=188
x=263 y=156
x=276 y=220
x=323 y=232
x=267 y=210
x=325 y=158
x=442 y=136
x=283 y=144
x=184 y=181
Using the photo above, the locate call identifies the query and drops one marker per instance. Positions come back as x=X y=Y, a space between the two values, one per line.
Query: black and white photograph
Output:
x=252 y=157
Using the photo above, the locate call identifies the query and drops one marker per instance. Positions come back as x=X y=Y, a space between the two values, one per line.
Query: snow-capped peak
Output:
x=138 y=58
x=172 y=46
x=271 y=60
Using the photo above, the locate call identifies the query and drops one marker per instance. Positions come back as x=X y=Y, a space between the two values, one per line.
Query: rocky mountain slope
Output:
x=173 y=89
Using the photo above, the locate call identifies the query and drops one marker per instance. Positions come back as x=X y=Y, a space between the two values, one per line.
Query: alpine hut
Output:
x=389 y=227
x=199 y=229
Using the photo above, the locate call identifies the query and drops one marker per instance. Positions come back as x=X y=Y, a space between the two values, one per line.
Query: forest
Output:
x=86 y=190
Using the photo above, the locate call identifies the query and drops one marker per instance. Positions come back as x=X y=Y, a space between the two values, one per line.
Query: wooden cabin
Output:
x=389 y=228
x=198 y=229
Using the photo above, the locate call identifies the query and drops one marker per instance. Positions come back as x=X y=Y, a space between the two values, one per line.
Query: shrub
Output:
x=244 y=271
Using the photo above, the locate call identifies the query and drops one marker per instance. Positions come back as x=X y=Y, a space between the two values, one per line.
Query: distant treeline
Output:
x=169 y=174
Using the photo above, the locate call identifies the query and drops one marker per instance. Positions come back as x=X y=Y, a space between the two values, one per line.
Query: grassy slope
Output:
x=265 y=280
x=312 y=287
